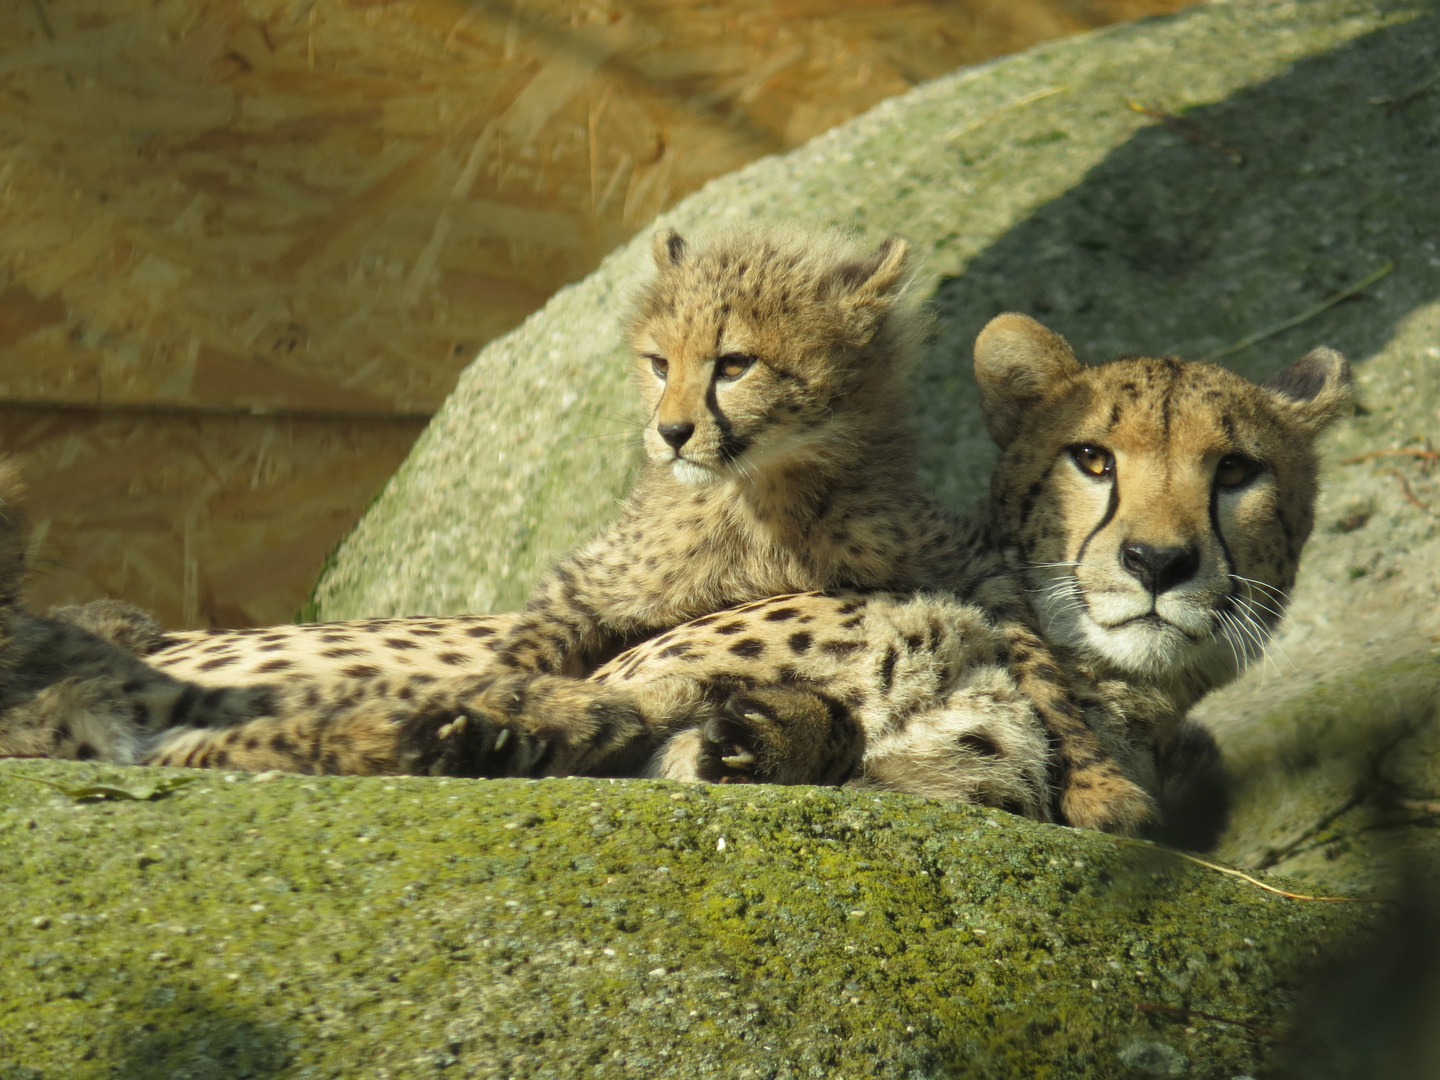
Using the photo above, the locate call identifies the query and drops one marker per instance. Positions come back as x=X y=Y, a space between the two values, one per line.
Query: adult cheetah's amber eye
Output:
x=733 y=365
x=1235 y=470
x=659 y=365
x=1095 y=460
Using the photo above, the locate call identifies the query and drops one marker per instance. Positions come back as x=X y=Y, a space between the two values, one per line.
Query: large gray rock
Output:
x=347 y=928
x=1029 y=183
x=1305 y=163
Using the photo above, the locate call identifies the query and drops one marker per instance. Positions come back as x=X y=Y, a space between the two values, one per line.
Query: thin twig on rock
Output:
x=1410 y=495
x=1268 y=888
x=45 y=27
x=1394 y=105
x=1304 y=316
x=1190 y=131
x=1188 y=1014
x=1371 y=455
x=1282 y=892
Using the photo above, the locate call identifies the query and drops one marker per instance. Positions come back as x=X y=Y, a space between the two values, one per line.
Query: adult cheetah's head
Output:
x=764 y=348
x=1160 y=506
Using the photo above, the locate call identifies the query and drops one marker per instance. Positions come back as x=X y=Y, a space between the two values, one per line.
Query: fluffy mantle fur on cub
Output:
x=773 y=364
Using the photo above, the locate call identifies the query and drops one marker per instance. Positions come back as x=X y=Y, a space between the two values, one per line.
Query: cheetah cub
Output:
x=773 y=367
x=71 y=684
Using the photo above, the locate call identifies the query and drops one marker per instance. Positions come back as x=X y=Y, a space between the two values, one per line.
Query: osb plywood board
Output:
x=327 y=206
x=204 y=520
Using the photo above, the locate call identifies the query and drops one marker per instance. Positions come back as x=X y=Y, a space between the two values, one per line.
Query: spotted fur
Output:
x=363 y=657
x=920 y=691
x=67 y=691
x=773 y=365
x=1153 y=510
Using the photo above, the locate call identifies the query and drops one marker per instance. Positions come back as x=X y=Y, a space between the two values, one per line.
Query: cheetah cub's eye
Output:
x=1235 y=470
x=733 y=365
x=659 y=365
x=1095 y=460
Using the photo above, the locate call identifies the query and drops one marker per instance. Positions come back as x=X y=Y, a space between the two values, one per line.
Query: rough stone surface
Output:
x=1034 y=184
x=354 y=928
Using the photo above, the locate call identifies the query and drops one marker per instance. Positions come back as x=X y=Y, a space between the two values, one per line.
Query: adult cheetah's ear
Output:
x=668 y=248
x=1016 y=362
x=865 y=289
x=1316 y=390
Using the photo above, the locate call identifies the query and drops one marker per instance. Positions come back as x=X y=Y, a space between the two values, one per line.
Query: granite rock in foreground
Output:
x=298 y=927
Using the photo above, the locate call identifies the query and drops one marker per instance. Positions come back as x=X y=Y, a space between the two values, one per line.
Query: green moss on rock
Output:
x=351 y=928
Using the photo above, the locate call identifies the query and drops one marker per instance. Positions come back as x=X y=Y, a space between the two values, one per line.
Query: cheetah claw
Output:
x=468 y=745
x=726 y=756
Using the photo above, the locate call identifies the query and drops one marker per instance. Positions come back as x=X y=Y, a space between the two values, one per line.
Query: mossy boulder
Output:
x=301 y=927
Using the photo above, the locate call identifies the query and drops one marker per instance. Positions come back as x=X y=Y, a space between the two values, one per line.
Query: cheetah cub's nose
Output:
x=677 y=435
x=1159 y=569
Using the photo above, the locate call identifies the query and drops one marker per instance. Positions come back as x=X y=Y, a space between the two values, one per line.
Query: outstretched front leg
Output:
x=553 y=726
x=1092 y=791
x=536 y=725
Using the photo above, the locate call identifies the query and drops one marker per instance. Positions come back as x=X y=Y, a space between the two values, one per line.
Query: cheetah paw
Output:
x=443 y=744
x=1107 y=802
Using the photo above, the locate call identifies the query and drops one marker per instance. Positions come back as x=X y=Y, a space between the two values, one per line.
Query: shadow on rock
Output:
x=1195 y=792
x=1170 y=246
x=179 y=1034
x=1337 y=786
x=1372 y=1010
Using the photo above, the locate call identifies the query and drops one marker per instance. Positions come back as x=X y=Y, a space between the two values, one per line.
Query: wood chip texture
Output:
x=246 y=246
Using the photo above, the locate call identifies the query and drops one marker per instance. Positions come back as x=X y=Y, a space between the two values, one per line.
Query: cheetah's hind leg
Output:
x=779 y=735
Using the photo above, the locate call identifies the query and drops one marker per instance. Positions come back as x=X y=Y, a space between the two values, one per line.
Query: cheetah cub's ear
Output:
x=668 y=249
x=1315 y=391
x=864 y=290
x=1017 y=363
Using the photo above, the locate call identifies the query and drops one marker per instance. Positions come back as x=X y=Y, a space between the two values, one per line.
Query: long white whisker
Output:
x=1257 y=633
x=1280 y=595
x=1270 y=645
x=1275 y=604
x=1248 y=645
x=1227 y=635
x=1253 y=602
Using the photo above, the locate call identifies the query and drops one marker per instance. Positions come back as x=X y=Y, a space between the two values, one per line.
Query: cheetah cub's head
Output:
x=764 y=349
x=1159 y=506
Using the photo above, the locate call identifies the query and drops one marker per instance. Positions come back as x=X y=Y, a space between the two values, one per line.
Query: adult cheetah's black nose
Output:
x=1159 y=569
x=677 y=435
